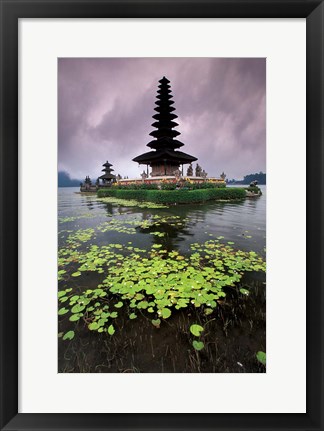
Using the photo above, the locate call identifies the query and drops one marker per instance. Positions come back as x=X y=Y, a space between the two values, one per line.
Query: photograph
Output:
x=161 y=215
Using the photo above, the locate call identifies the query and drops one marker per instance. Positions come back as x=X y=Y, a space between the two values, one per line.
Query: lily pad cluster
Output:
x=130 y=203
x=75 y=239
x=129 y=225
x=121 y=226
x=74 y=218
x=157 y=220
x=154 y=282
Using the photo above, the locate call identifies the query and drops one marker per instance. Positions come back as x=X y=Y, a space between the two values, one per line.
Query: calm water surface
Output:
x=242 y=222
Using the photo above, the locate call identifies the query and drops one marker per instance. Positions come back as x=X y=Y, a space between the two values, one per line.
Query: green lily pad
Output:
x=142 y=304
x=261 y=357
x=111 y=330
x=75 y=317
x=64 y=299
x=196 y=330
x=93 y=326
x=76 y=274
x=156 y=322
x=208 y=311
x=244 y=291
x=69 y=335
x=165 y=312
x=77 y=308
x=198 y=345
x=62 y=311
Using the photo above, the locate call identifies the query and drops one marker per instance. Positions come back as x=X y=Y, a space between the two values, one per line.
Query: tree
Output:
x=260 y=178
x=198 y=170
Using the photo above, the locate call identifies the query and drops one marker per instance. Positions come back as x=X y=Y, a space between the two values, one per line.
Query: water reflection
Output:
x=166 y=231
x=242 y=222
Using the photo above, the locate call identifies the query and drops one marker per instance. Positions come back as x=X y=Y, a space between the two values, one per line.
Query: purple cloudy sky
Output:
x=105 y=109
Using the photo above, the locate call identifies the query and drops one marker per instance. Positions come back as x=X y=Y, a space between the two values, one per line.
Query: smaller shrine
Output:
x=107 y=179
x=87 y=185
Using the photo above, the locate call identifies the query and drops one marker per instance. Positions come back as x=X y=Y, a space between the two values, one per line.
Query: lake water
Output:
x=236 y=336
x=242 y=222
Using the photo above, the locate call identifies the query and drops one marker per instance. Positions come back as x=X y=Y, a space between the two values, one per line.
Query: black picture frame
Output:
x=11 y=12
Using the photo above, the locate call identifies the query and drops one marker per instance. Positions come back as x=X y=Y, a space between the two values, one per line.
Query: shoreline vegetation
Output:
x=181 y=196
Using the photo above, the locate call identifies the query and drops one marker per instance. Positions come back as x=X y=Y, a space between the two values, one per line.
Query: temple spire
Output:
x=165 y=160
x=165 y=125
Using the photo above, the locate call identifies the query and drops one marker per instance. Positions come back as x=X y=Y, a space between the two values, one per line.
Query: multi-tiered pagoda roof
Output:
x=165 y=158
x=107 y=176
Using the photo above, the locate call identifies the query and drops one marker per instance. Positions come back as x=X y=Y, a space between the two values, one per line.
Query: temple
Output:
x=107 y=178
x=164 y=159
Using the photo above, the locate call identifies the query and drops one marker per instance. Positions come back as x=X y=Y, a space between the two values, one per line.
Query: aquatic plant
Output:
x=261 y=357
x=198 y=345
x=75 y=239
x=129 y=202
x=121 y=226
x=154 y=282
x=196 y=330
x=74 y=218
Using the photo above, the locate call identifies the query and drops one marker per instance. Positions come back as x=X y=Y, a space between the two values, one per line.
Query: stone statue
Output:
x=198 y=170
x=177 y=173
x=190 y=170
x=144 y=175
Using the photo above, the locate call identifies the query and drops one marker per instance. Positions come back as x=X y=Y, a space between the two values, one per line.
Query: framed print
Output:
x=175 y=286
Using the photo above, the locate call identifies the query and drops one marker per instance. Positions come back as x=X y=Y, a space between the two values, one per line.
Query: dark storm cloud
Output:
x=105 y=109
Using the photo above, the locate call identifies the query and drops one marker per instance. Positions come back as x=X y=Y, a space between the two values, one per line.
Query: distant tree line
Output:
x=64 y=180
x=260 y=178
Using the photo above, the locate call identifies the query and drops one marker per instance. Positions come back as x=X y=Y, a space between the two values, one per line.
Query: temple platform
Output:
x=169 y=179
